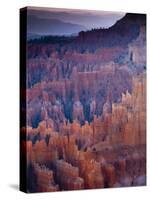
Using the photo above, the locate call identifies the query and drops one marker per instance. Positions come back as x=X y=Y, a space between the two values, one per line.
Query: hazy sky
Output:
x=67 y=21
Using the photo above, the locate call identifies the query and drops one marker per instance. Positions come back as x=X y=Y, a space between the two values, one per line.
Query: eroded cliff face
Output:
x=86 y=111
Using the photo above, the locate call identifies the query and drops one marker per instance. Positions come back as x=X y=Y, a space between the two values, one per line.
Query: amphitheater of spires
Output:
x=107 y=152
x=86 y=112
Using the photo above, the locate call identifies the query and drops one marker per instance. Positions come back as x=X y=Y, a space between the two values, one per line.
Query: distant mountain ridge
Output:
x=39 y=26
x=121 y=33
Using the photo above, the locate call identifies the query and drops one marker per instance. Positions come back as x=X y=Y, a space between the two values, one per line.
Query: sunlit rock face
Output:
x=86 y=110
